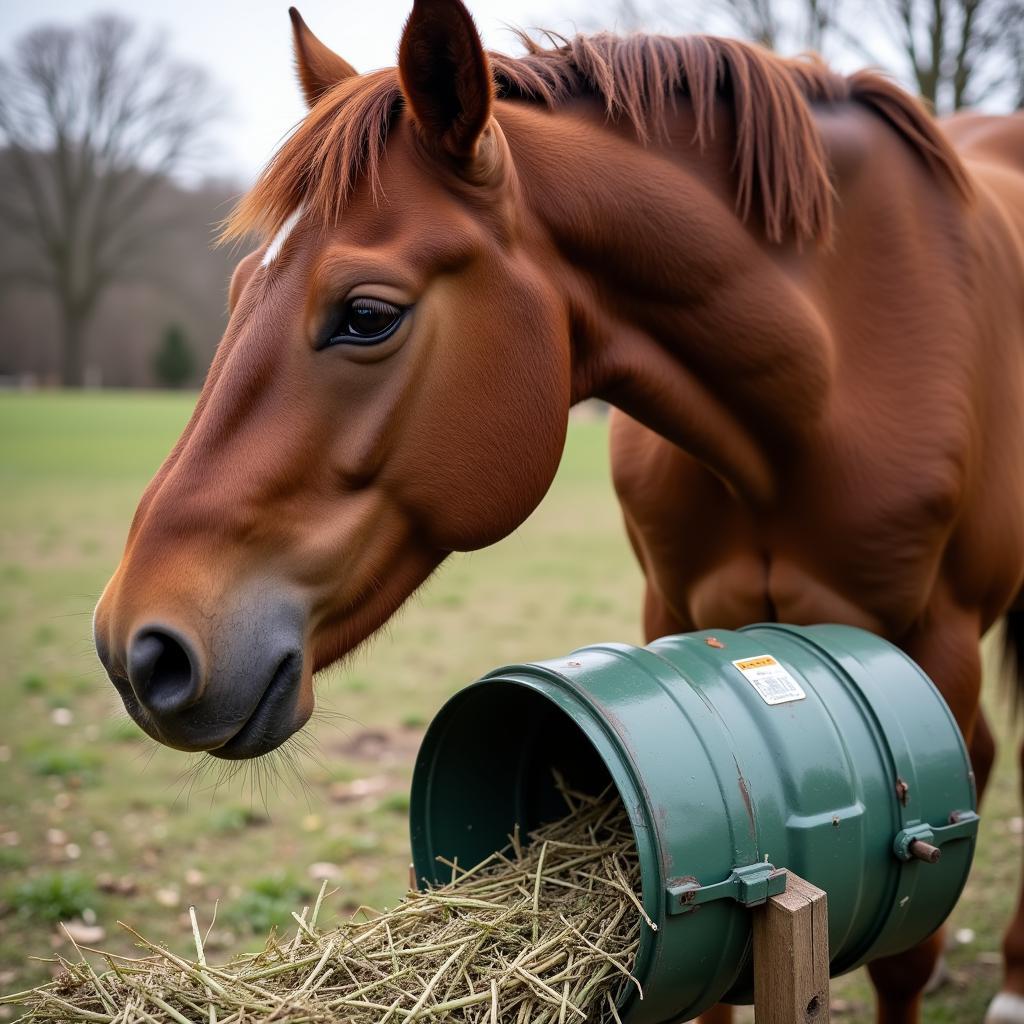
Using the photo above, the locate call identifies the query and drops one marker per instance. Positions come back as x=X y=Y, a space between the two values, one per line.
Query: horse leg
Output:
x=950 y=655
x=1008 y=1005
x=983 y=753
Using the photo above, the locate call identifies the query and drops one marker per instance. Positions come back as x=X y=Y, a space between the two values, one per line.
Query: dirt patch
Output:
x=380 y=746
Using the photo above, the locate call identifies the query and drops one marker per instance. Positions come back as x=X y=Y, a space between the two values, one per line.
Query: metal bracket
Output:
x=962 y=825
x=750 y=886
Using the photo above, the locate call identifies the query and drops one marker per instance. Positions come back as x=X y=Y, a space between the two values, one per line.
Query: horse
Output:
x=803 y=297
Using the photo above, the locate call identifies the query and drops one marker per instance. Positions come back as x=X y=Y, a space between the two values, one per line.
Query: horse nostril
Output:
x=163 y=670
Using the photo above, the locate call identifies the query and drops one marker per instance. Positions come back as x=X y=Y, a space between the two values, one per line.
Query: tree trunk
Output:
x=72 y=361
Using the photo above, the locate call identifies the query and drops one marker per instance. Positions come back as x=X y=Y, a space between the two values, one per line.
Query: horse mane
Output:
x=780 y=162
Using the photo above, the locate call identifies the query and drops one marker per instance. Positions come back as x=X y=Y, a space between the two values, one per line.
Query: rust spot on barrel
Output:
x=678 y=883
x=902 y=791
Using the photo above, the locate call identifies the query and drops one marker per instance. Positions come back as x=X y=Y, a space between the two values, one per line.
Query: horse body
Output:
x=819 y=395
x=896 y=504
x=896 y=486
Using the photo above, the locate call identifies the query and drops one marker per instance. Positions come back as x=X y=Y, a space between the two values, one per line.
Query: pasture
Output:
x=97 y=823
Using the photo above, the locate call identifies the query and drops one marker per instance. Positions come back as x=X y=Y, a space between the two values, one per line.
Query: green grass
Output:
x=94 y=817
x=53 y=896
x=268 y=902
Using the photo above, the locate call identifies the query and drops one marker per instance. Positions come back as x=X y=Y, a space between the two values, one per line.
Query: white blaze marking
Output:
x=275 y=247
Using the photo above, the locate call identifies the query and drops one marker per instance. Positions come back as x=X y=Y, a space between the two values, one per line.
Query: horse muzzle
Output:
x=240 y=693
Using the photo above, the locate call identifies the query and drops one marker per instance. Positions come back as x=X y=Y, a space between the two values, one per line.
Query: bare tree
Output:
x=1014 y=41
x=957 y=53
x=776 y=24
x=757 y=20
x=943 y=42
x=93 y=121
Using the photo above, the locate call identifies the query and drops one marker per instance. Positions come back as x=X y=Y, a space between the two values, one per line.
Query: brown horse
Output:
x=806 y=304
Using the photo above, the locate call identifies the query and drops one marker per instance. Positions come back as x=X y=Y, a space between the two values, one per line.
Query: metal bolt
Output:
x=924 y=851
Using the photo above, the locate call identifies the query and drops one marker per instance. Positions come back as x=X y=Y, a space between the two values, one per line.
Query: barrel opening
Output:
x=491 y=761
x=493 y=764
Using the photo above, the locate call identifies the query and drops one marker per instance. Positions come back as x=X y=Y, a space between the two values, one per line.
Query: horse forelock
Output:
x=780 y=163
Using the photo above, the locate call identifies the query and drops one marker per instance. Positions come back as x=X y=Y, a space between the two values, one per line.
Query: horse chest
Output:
x=842 y=543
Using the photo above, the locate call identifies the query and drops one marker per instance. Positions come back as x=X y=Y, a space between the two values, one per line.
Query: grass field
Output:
x=99 y=824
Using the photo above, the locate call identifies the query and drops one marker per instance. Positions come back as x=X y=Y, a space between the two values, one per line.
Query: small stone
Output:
x=61 y=716
x=72 y=851
x=5 y=753
x=194 y=877
x=1015 y=826
x=9 y=839
x=964 y=936
x=124 y=885
x=219 y=939
x=89 y=915
x=359 y=789
x=322 y=870
x=312 y=823
x=85 y=934
x=167 y=897
x=62 y=800
x=100 y=839
x=56 y=837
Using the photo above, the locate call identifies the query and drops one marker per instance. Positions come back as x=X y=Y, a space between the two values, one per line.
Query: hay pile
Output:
x=544 y=932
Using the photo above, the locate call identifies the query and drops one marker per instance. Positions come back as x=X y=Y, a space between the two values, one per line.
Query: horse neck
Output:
x=681 y=316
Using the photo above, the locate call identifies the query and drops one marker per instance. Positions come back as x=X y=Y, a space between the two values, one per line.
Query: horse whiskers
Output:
x=261 y=776
x=190 y=775
x=149 y=753
x=329 y=717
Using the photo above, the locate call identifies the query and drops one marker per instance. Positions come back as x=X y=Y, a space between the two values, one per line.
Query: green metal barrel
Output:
x=823 y=750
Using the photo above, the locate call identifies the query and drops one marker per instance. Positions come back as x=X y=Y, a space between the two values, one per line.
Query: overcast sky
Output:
x=246 y=46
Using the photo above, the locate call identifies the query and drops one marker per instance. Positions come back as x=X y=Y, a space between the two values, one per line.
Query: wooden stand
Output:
x=791 y=956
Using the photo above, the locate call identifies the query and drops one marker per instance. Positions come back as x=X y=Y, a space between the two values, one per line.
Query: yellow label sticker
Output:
x=762 y=662
x=773 y=683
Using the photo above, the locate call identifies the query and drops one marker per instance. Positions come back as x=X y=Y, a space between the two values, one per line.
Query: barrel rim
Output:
x=555 y=687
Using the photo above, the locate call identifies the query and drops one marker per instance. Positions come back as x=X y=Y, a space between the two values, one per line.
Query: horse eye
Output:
x=365 y=321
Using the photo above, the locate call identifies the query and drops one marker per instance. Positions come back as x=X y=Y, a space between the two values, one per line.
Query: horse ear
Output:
x=446 y=77
x=318 y=66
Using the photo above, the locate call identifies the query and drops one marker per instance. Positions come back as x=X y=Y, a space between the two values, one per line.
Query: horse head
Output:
x=393 y=385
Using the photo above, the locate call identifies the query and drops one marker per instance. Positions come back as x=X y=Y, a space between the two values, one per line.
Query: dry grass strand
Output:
x=547 y=933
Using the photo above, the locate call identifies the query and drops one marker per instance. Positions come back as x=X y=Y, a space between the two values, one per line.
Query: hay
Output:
x=544 y=932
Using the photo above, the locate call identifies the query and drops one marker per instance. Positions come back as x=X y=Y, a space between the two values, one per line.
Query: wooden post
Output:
x=791 y=956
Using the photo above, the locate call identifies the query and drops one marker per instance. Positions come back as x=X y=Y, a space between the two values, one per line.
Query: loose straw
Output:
x=544 y=932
